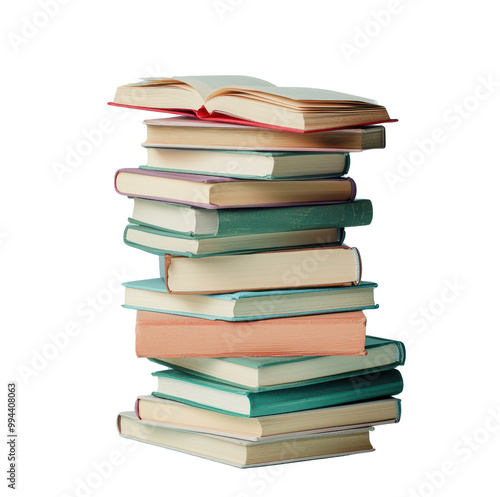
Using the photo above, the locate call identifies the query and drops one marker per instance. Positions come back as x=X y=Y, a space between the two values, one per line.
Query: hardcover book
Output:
x=251 y=100
x=199 y=222
x=248 y=164
x=244 y=453
x=267 y=373
x=215 y=192
x=152 y=295
x=294 y=268
x=336 y=418
x=191 y=133
x=220 y=397
x=167 y=335
x=160 y=242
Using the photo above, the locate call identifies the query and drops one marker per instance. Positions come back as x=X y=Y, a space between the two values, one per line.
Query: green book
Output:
x=220 y=397
x=196 y=221
x=270 y=373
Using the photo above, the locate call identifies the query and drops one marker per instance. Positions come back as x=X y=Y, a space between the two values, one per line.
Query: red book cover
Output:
x=215 y=116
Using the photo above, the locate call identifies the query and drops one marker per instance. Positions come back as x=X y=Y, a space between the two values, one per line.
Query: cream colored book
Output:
x=152 y=295
x=220 y=192
x=243 y=453
x=251 y=100
x=295 y=268
x=248 y=164
x=173 y=414
x=190 y=133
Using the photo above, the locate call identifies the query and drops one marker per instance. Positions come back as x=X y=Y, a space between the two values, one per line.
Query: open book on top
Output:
x=252 y=101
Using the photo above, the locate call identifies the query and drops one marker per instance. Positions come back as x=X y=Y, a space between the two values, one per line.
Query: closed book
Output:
x=152 y=295
x=243 y=453
x=267 y=373
x=220 y=397
x=251 y=101
x=189 y=133
x=167 y=335
x=159 y=242
x=248 y=164
x=298 y=268
x=198 y=222
x=216 y=192
x=171 y=413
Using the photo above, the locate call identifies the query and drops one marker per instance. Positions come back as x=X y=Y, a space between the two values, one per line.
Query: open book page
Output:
x=205 y=85
x=295 y=93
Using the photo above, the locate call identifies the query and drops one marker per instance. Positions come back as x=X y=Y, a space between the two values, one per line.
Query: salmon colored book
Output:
x=160 y=335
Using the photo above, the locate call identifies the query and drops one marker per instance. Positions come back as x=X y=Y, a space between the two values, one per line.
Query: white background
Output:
x=61 y=235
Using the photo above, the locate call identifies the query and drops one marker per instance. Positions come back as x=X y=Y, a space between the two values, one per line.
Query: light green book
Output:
x=248 y=164
x=152 y=295
x=270 y=373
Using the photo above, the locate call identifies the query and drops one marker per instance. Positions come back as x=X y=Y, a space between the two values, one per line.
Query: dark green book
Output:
x=196 y=221
x=259 y=374
x=220 y=397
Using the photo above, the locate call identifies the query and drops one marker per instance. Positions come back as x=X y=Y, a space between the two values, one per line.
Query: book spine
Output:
x=401 y=352
x=357 y=258
x=167 y=260
x=398 y=406
x=137 y=408
x=353 y=189
x=347 y=165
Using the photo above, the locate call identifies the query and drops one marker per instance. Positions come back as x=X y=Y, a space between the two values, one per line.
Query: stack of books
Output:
x=256 y=319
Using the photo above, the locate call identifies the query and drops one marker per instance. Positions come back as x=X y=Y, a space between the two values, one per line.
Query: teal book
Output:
x=220 y=397
x=259 y=374
x=192 y=220
x=246 y=164
x=160 y=242
x=152 y=295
